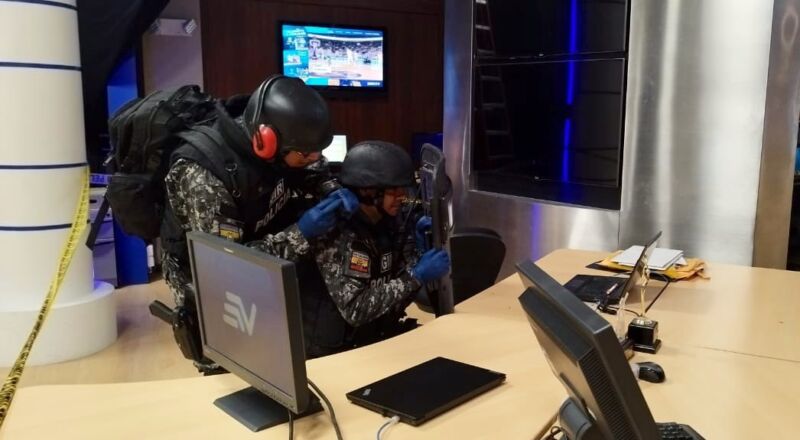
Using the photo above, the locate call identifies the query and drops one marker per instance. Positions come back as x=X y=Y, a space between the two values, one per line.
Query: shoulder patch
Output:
x=230 y=228
x=359 y=262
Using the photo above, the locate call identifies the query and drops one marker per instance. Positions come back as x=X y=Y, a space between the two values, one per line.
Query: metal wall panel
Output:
x=780 y=138
x=530 y=229
x=697 y=88
x=710 y=128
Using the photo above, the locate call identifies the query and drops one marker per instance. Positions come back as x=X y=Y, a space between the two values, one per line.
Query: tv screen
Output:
x=333 y=57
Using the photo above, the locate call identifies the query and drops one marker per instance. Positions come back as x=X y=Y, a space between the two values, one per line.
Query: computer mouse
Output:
x=651 y=372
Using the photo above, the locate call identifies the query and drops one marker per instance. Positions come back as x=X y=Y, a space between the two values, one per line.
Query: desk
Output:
x=741 y=309
x=723 y=394
x=182 y=408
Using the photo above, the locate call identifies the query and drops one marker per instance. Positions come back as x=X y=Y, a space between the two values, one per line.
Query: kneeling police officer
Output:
x=371 y=265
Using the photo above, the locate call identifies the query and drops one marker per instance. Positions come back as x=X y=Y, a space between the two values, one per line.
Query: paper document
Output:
x=661 y=258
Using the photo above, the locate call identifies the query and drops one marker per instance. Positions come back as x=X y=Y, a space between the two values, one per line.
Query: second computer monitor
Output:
x=585 y=355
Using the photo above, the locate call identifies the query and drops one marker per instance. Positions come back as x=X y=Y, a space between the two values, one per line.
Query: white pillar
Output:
x=42 y=158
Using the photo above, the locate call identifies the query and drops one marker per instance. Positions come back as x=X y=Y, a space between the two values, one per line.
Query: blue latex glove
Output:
x=322 y=217
x=423 y=225
x=349 y=202
x=433 y=265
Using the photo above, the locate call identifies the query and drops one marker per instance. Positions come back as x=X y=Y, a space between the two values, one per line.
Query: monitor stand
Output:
x=256 y=411
x=575 y=424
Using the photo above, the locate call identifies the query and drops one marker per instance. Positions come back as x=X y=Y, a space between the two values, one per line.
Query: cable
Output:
x=389 y=422
x=554 y=431
x=291 y=424
x=330 y=408
x=668 y=282
x=613 y=309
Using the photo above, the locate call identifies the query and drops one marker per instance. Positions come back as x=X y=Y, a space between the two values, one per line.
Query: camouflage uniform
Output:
x=366 y=278
x=361 y=283
x=197 y=198
x=201 y=202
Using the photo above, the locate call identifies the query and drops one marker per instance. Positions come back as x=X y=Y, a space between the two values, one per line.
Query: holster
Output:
x=185 y=328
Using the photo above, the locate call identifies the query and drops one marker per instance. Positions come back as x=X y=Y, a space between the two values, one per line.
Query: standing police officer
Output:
x=370 y=265
x=284 y=128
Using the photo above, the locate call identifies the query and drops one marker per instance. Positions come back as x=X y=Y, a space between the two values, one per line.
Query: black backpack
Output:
x=144 y=133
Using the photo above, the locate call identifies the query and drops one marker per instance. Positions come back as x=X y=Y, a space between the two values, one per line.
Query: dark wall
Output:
x=240 y=49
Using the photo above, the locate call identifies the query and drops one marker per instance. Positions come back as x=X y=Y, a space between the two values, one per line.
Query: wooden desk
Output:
x=740 y=309
x=725 y=395
x=182 y=408
x=722 y=394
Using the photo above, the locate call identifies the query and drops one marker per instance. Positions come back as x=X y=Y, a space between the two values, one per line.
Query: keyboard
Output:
x=676 y=431
x=594 y=288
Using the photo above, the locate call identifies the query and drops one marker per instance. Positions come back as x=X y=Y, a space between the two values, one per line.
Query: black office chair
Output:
x=476 y=256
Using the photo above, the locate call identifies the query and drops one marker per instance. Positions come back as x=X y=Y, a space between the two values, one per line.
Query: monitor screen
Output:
x=585 y=355
x=333 y=57
x=337 y=149
x=250 y=321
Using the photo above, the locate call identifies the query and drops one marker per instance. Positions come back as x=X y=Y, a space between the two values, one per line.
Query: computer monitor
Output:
x=584 y=353
x=337 y=149
x=250 y=324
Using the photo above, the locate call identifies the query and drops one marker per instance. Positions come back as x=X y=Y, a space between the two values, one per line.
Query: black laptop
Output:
x=422 y=392
x=609 y=289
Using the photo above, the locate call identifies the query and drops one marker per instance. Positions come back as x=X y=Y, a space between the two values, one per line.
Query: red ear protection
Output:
x=265 y=142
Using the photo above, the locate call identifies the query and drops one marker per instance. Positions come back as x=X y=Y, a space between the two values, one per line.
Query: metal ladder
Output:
x=492 y=97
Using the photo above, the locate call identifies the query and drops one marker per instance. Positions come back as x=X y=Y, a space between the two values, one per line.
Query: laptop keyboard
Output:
x=675 y=431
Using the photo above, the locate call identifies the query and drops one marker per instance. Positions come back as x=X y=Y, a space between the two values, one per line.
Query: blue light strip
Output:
x=573 y=48
x=565 y=151
x=43 y=2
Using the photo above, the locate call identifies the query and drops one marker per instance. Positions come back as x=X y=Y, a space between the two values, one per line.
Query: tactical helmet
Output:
x=377 y=164
x=294 y=111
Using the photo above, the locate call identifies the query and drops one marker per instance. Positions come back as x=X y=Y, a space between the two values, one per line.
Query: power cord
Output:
x=330 y=408
x=389 y=422
x=667 y=283
x=291 y=424
x=612 y=310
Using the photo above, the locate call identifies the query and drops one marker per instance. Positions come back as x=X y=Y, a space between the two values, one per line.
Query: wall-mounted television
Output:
x=333 y=57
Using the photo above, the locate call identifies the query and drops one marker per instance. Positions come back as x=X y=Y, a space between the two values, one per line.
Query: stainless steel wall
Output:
x=700 y=77
x=710 y=129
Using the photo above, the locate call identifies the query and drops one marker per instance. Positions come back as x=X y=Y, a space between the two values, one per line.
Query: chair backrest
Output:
x=477 y=255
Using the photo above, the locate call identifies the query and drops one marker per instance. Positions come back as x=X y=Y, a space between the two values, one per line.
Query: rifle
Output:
x=436 y=193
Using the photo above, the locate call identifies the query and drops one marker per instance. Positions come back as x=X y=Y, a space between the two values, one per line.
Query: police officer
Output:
x=370 y=265
x=284 y=127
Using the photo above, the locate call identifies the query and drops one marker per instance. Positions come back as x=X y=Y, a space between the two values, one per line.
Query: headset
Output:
x=266 y=139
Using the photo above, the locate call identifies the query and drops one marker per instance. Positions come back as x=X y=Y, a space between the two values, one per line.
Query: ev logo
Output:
x=236 y=316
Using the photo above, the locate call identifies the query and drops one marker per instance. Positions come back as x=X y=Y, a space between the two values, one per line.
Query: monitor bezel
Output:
x=301 y=398
x=340 y=91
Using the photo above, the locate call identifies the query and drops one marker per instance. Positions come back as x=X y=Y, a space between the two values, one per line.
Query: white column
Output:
x=42 y=158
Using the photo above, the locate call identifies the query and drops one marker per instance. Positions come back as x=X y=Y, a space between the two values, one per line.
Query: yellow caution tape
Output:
x=73 y=241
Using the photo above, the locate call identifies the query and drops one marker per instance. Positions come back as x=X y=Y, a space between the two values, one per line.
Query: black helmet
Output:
x=377 y=164
x=296 y=112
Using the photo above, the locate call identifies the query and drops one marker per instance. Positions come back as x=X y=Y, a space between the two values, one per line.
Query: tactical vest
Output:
x=325 y=330
x=260 y=191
